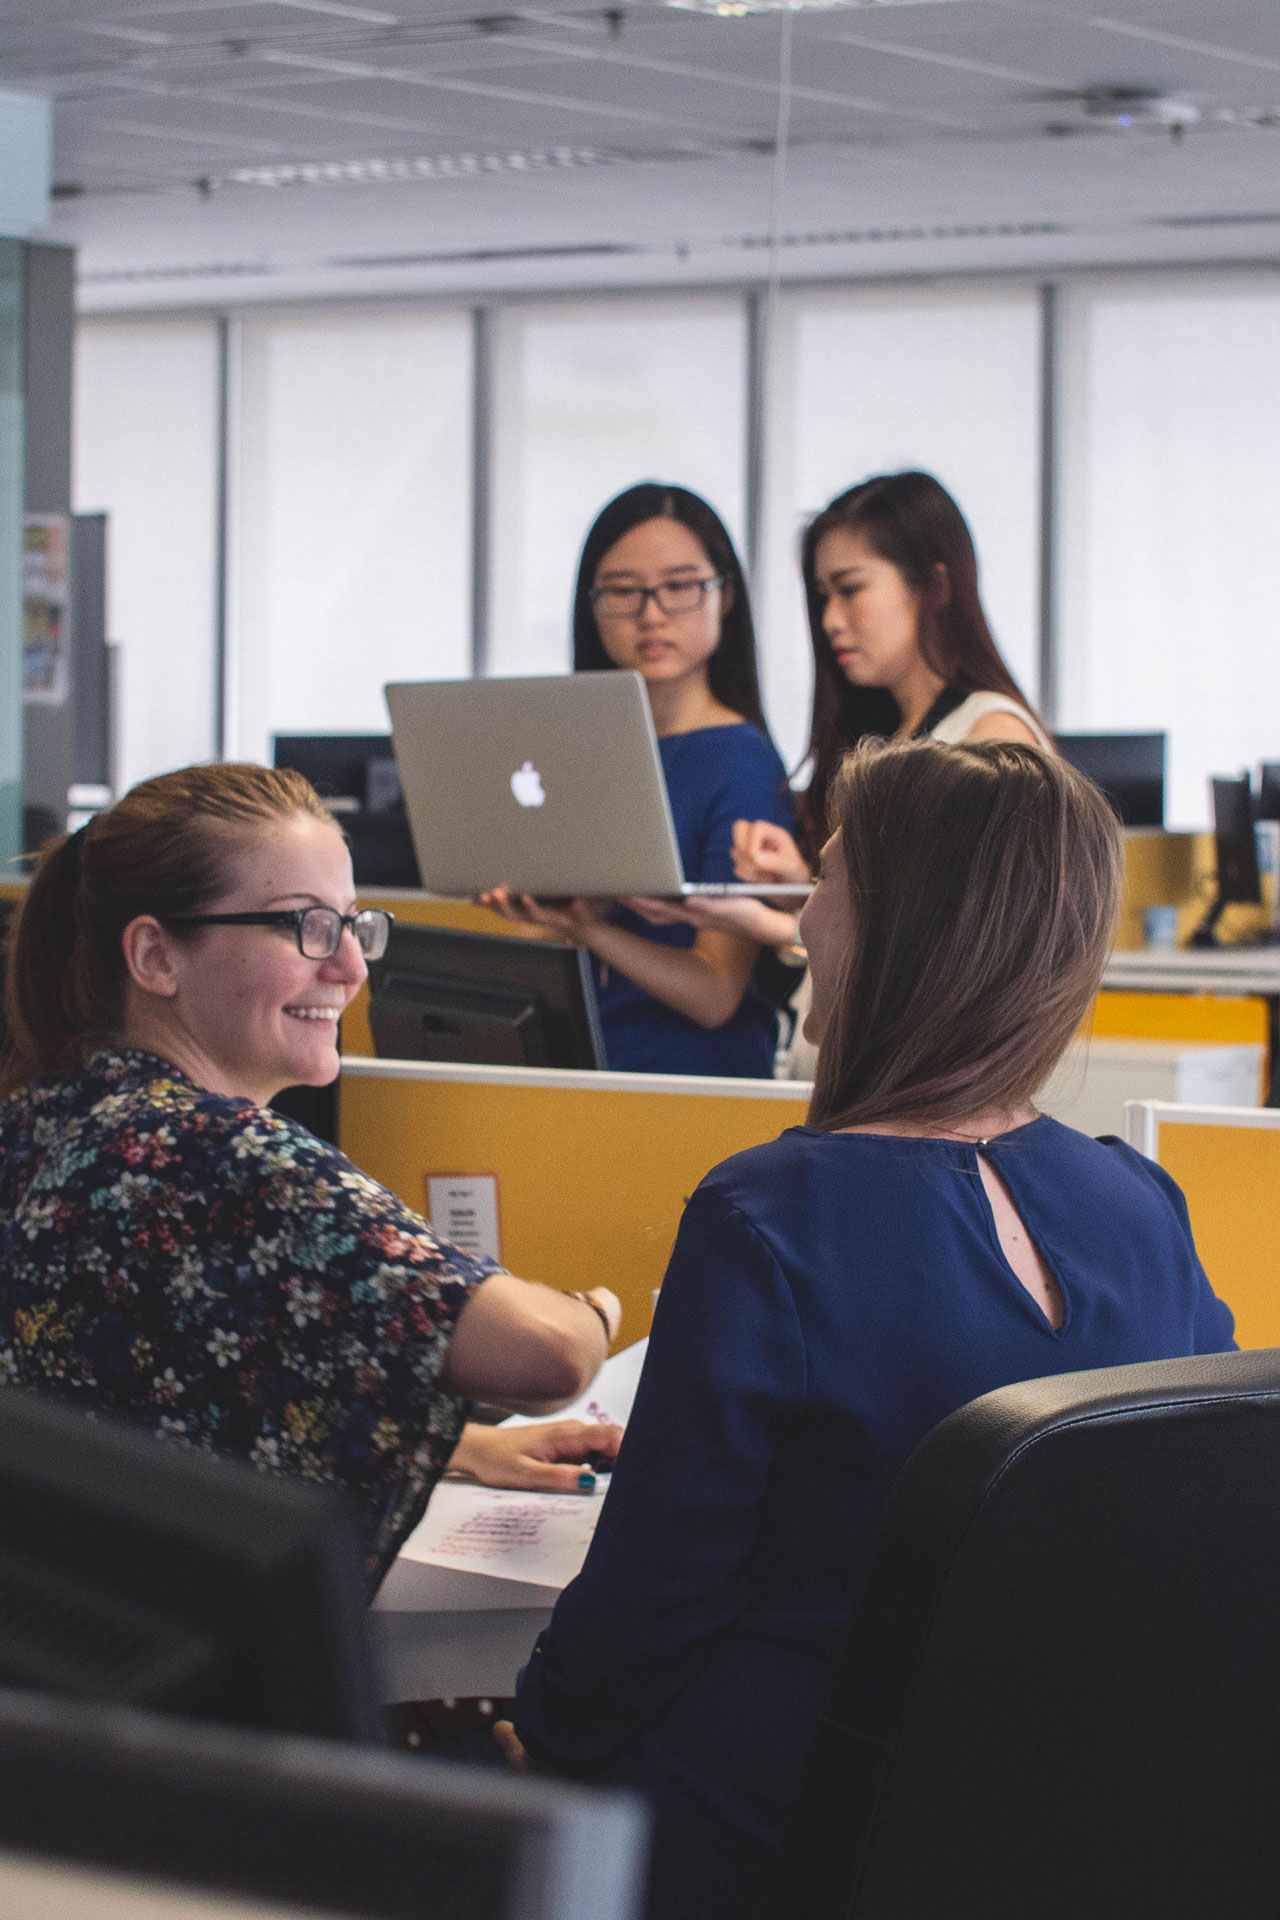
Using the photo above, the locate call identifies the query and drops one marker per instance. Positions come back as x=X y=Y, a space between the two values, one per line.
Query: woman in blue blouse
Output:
x=926 y=1238
x=661 y=591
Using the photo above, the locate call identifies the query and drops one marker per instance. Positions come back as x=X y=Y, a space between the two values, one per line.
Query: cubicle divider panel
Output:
x=1227 y=1162
x=1225 y=1020
x=592 y=1170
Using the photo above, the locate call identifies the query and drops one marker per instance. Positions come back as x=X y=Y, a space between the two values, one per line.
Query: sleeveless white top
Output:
x=961 y=721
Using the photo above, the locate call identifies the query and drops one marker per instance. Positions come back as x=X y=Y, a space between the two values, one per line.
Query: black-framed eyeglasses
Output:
x=672 y=596
x=318 y=930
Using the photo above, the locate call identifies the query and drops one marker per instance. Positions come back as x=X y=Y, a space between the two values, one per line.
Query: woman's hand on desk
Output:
x=765 y=852
x=570 y=918
x=731 y=913
x=552 y=1458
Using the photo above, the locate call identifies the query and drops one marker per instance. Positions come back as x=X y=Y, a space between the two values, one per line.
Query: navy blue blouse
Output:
x=714 y=776
x=830 y=1298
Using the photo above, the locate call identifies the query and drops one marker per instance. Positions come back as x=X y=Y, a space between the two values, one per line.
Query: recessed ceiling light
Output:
x=438 y=166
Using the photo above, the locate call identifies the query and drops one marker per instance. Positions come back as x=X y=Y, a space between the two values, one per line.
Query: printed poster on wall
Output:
x=46 y=657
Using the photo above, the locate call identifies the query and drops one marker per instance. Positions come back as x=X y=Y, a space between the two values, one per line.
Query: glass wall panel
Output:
x=1172 y=505
x=145 y=453
x=589 y=398
x=11 y=503
x=875 y=381
x=352 y=517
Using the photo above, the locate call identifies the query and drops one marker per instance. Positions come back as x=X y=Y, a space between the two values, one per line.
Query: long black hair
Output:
x=731 y=670
x=912 y=521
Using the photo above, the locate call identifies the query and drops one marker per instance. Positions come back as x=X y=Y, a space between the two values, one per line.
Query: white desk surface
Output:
x=1227 y=970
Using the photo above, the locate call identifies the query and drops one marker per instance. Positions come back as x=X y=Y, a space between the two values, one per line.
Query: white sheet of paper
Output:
x=609 y=1397
x=539 y=1539
x=479 y=1548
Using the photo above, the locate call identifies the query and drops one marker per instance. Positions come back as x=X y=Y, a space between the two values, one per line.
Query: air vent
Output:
x=604 y=249
x=1218 y=220
x=214 y=270
x=437 y=166
x=865 y=236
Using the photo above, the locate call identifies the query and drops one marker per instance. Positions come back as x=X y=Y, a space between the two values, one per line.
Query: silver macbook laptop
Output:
x=550 y=786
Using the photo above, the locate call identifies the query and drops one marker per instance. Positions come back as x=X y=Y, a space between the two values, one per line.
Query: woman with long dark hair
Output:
x=902 y=649
x=661 y=591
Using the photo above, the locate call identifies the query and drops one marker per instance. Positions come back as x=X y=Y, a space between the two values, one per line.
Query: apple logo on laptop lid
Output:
x=526 y=784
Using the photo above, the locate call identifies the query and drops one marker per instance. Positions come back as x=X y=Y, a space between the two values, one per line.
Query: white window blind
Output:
x=1171 y=511
x=590 y=398
x=145 y=447
x=352 y=517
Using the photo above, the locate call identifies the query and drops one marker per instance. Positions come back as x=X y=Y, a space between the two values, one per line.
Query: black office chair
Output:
x=1060 y=1696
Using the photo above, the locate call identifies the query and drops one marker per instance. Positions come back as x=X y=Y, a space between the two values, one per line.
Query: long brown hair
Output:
x=164 y=849
x=984 y=882
x=912 y=521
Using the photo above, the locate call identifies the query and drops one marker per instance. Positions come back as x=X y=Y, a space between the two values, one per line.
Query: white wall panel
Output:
x=352 y=516
x=145 y=453
x=590 y=398
x=867 y=381
x=1172 y=523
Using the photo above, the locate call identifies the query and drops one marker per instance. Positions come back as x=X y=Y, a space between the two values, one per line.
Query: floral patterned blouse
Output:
x=211 y=1269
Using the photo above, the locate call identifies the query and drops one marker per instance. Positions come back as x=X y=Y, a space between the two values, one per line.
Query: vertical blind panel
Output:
x=874 y=381
x=145 y=447
x=588 y=399
x=352 y=521
x=1172 y=422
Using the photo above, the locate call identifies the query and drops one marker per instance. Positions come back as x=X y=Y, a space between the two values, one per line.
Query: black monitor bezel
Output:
x=466 y=957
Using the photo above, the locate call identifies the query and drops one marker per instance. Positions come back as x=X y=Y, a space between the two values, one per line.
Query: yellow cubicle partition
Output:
x=592 y=1169
x=1227 y=1162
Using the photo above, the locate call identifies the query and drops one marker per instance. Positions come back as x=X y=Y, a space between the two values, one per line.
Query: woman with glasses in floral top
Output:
x=174 y=1252
x=661 y=591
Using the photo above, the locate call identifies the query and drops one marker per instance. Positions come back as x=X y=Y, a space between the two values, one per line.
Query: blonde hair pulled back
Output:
x=164 y=849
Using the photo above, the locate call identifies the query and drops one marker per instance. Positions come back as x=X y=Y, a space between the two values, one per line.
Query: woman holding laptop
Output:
x=661 y=591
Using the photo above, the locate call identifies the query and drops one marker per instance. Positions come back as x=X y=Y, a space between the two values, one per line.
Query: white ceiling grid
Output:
x=583 y=144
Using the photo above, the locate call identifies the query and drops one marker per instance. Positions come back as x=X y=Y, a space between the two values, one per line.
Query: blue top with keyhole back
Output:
x=830 y=1298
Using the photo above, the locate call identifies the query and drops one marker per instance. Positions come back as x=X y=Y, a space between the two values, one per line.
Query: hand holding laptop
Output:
x=567 y=919
x=757 y=920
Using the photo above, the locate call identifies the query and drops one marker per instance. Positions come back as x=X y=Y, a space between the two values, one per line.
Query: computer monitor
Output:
x=484 y=999
x=1236 y=850
x=356 y=774
x=1268 y=801
x=1128 y=767
x=139 y=1571
x=107 y=1812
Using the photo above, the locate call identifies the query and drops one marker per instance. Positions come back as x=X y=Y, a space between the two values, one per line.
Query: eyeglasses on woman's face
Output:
x=318 y=930
x=670 y=596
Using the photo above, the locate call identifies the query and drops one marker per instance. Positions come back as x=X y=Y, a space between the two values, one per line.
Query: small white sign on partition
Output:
x=463 y=1209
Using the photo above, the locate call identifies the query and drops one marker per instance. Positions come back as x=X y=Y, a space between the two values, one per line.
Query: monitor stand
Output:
x=1206 y=934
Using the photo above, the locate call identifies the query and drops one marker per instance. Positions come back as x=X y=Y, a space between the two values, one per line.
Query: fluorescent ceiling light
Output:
x=438 y=166
x=736 y=9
